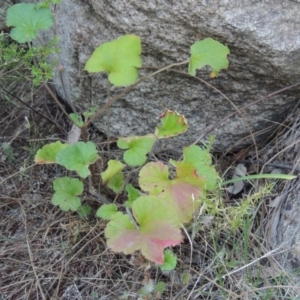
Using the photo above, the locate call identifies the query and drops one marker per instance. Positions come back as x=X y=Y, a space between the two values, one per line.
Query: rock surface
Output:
x=263 y=37
x=3 y=8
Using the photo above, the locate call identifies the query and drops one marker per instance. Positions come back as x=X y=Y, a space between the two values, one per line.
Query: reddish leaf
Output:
x=183 y=197
x=181 y=194
x=157 y=229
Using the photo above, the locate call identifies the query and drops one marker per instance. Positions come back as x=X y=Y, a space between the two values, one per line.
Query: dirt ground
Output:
x=48 y=254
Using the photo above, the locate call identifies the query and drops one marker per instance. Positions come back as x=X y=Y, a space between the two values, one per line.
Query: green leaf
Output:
x=116 y=183
x=138 y=147
x=27 y=20
x=170 y=261
x=147 y=289
x=160 y=287
x=113 y=168
x=119 y=58
x=8 y=151
x=90 y=112
x=47 y=3
x=76 y=118
x=84 y=211
x=185 y=278
x=194 y=157
x=106 y=211
x=210 y=176
x=156 y=231
x=153 y=177
x=233 y=263
x=113 y=177
x=7 y=148
x=180 y=194
x=173 y=124
x=47 y=155
x=66 y=190
x=132 y=194
x=78 y=157
x=201 y=159
x=208 y=52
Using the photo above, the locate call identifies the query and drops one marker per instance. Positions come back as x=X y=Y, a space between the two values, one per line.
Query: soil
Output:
x=48 y=254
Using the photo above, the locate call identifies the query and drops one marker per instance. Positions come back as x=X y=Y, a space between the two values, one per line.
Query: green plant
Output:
x=163 y=203
x=27 y=20
x=8 y=151
x=151 y=289
x=157 y=210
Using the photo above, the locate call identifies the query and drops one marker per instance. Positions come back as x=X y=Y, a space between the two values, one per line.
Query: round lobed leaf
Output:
x=157 y=229
x=172 y=124
x=47 y=154
x=66 y=190
x=27 y=20
x=119 y=58
x=208 y=52
x=170 y=261
x=78 y=157
x=138 y=148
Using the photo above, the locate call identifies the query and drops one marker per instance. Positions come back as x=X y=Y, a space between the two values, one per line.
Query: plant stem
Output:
x=108 y=120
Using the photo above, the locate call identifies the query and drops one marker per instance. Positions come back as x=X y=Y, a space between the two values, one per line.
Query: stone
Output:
x=263 y=37
x=3 y=8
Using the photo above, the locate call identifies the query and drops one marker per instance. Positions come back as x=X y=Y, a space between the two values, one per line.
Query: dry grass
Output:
x=48 y=254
